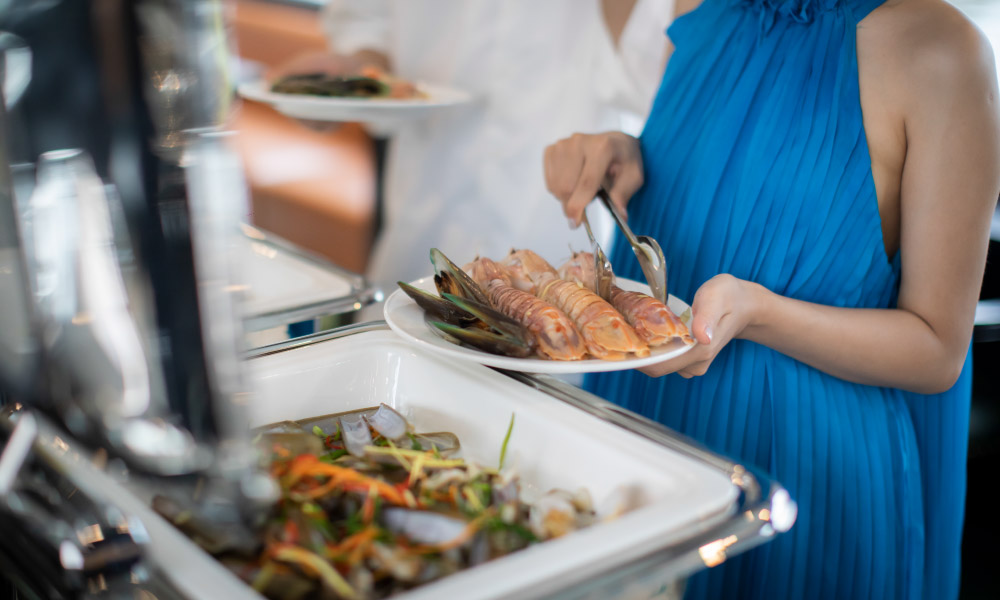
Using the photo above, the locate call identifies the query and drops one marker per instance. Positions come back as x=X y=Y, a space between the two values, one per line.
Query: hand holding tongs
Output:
x=646 y=249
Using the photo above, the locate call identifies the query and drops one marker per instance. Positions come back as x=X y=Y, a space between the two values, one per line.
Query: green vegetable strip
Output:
x=506 y=438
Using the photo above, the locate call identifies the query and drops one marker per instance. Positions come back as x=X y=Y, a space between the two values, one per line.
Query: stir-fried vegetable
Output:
x=370 y=521
x=506 y=438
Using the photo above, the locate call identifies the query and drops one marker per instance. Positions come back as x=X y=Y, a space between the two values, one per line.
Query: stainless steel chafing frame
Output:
x=361 y=294
x=763 y=509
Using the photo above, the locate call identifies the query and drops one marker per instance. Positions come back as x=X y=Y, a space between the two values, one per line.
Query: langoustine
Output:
x=606 y=333
x=653 y=320
x=555 y=333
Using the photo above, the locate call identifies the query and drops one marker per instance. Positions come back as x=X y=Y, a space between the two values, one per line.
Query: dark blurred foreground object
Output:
x=981 y=530
x=125 y=350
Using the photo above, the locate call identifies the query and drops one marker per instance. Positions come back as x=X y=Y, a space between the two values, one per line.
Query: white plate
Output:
x=407 y=320
x=384 y=112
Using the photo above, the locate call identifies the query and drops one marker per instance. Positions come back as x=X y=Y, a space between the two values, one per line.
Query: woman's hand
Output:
x=723 y=308
x=578 y=166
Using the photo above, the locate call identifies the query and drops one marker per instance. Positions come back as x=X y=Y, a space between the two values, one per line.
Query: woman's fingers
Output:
x=712 y=303
x=681 y=364
x=719 y=314
x=562 y=169
x=625 y=180
x=576 y=167
x=592 y=174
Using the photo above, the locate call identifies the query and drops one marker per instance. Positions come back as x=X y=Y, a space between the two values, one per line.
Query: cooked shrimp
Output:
x=556 y=334
x=517 y=273
x=606 y=333
x=653 y=320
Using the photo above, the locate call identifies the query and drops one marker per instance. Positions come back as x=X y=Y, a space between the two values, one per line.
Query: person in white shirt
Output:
x=469 y=180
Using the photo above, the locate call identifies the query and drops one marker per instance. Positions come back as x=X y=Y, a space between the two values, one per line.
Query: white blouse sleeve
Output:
x=352 y=25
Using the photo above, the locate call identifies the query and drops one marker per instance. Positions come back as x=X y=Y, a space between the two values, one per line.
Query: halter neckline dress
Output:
x=757 y=165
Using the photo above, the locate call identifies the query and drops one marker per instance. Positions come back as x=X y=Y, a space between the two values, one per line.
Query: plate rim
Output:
x=398 y=300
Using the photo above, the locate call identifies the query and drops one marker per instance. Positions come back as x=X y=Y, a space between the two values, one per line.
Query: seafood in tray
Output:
x=369 y=508
x=521 y=306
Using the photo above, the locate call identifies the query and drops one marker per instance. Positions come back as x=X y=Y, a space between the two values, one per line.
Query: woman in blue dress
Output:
x=820 y=174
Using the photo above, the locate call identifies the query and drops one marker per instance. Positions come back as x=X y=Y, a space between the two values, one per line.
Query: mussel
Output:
x=451 y=279
x=505 y=335
x=441 y=309
x=462 y=312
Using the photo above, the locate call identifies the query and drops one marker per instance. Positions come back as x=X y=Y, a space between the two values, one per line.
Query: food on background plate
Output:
x=521 y=306
x=369 y=508
x=371 y=82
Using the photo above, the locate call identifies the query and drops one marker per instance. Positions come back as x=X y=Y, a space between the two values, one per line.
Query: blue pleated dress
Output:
x=757 y=165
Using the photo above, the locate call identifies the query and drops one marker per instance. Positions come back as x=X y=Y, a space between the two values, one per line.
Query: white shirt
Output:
x=470 y=180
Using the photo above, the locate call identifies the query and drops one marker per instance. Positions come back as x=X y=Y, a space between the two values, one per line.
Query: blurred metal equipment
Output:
x=17 y=345
x=127 y=350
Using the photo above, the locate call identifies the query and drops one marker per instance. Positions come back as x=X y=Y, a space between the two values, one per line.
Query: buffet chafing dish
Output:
x=697 y=507
x=692 y=508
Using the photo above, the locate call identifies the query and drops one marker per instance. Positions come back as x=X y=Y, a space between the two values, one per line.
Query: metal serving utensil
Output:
x=602 y=266
x=646 y=249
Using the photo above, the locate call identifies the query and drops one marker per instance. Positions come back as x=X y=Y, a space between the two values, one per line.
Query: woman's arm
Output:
x=950 y=180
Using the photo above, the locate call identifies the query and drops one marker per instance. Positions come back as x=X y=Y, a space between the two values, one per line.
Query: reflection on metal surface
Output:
x=186 y=53
x=70 y=557
x=97 y=584
x=18 y=347
x=714 y=553
x=263 y=250
x=784 y=511
x=15 y=73
x=79 y=288
x=90 y=534
x=60 y=445
x=16 y=451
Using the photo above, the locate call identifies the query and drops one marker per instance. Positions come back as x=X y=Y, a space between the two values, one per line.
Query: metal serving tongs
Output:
x=646 y=249
x=602 y=266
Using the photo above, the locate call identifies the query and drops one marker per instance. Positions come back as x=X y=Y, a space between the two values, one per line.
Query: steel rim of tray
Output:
x=361 y=294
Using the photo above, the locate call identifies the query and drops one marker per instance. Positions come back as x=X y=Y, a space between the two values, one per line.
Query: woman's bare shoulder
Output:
x=932 y=46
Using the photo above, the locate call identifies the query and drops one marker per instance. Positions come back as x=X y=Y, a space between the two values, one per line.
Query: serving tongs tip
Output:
x=646 y=250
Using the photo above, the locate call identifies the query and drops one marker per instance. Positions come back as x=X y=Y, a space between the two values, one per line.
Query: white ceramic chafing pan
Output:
x=693 y=508
x=678 y=496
